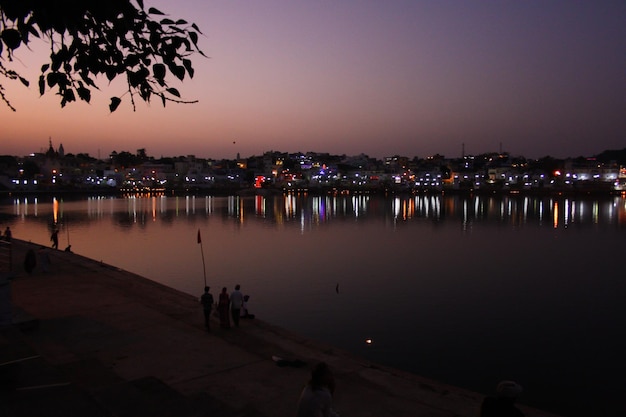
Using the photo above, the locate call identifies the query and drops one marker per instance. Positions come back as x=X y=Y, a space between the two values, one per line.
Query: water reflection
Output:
x=318 y=210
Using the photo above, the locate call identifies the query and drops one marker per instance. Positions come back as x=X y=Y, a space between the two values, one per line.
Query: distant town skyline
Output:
x=61 y=148
x=412 y=78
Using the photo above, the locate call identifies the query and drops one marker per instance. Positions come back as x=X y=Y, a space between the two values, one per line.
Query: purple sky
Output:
x=378 y=77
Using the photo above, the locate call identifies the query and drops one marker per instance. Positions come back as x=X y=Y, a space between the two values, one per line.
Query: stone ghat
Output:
x=90 y=339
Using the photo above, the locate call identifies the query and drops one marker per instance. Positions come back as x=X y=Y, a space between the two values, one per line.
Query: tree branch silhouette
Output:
x=92 y=38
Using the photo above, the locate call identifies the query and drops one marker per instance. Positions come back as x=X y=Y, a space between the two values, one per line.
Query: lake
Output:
x=468 y=290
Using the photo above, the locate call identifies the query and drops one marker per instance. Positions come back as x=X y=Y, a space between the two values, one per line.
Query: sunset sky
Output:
x=407 y=77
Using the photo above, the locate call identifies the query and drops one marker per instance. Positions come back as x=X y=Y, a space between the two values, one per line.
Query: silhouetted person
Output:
x=236 y=300
x=207 y=306
x=55 y=239
x=222 y=307
x=317 y=396
x=245 y=313
x=7 y=234
x=503 y=403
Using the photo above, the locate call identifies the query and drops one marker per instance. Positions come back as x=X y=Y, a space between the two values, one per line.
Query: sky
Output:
x=411 y=78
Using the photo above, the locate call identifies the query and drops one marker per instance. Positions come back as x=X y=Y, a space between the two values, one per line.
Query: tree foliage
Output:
x=612 y=155
x=92 y=38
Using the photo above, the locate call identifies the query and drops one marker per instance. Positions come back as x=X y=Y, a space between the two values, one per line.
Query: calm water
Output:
x=466 y=290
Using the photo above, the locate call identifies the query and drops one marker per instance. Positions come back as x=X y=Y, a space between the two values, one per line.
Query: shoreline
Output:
x=140 y=329
x=600 y=192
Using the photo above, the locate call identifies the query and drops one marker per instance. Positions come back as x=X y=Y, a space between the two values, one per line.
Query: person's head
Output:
x=321 y=376
x=237 y=287
x=246 y=297
x=224 y=290
x=509 y=390
x=206 y=289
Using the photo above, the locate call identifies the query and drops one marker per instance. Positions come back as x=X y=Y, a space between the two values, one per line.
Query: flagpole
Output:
x=202 y=251
x=67 y=228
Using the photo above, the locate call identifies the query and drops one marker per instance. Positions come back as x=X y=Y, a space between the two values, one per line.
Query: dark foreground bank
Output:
x=90 y=339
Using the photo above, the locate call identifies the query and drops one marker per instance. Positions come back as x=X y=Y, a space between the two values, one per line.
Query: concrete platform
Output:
x=90 y=339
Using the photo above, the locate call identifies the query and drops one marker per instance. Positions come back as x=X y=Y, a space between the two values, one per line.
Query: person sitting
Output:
x=317 y=396
x=245 y=314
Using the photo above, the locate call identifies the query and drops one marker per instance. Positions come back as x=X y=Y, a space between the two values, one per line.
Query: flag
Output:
x=199 y=238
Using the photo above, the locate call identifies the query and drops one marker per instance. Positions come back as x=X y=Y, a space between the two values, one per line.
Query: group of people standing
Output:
x=235 y=305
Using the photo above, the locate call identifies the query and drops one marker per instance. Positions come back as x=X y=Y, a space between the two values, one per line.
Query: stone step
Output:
x=22 y=320
x=150 y=397
x=33 y=387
